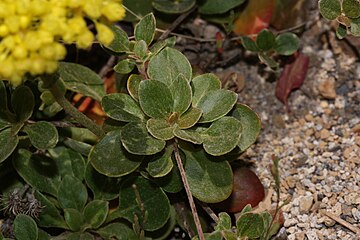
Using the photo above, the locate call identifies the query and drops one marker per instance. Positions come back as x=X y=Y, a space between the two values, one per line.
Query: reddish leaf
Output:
x=292 y=77
x=255 y=17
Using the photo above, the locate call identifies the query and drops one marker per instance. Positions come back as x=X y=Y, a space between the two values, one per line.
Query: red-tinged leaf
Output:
x=255 y=17
x=292 y=77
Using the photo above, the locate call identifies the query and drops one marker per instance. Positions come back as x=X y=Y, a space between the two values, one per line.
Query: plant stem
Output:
x=71 y=110
x=188 y=193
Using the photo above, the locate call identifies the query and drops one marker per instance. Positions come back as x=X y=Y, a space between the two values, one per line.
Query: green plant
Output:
x=346 y=13
x=173 y=131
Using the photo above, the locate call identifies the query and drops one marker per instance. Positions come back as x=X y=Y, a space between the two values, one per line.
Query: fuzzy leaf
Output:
x=103 y=187
x=109 y=158
x=136 y=139
x=222 y=136
x=250 y=225
x=355 y=27
x=218 y=6
x=265 y=40
x=140 y=49
x=155 y=99
x=95 y=212
x=50 y=216
x=121 y=41
x=172 y=182
x=181 y=94
x=160 y=129
x=43 y=135
x=162 y=164
x=72 y=193
x=269 y=61
x=117 y=230
x=69 y=162
x=251 y=125
x=25 y=228
x=286 y=44
x=151 y=197
x=122 y=107
x=23 y=102
x=188 y=135
x=124 y=66
x=216 y=104
x=8 y=143
x=292 y=77
x=74 y=219
x=78 y=78
x=38 y=171
x=189 y=118
x=173 y=7
x=351 y=8
x=167 y=65
x=249 y=44
x=133 y=85
x=210 y=178
x=145 y=29
x=202 y=84
x=330 y=9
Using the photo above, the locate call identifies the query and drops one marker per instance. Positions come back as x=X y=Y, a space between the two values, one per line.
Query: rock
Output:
x=324 y=134
x=305 y=203
x=329 y=222
x=352 y=198
x=299 y=236
x=356 y=214
x=347 y=152
x=327 y=88
x=311 y=235
x=290 y=222
x=356 y=129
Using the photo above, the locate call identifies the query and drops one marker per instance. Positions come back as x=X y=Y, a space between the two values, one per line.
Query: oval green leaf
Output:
x=74 y=219
x=78 y=78
x=251 y=125
x=136 y=139
x=8 y=143
x=355 y=27
x=172 y=182
x=72 y=193
x=250 y=225
x=249 y=44
x=140 y=191
x=43 y=135
x=117 y=230
x=50 y=216
x=133 y=83
x=210 y=178
x=23 y=102
x=162 y=164
x=216 y=104
x=222 y=136
x=160 y=129
x=351 y=8
x=145 y=29
x=96 y=212
x=189 y=118
x=218 y=6
x=181 y=94
x=167 y=65
x=40 y=172
x=202 y=84
x=287 y=44
x=69 y=162
x=109 y=158
x=189 y=135
x=265 y=40
x=121 y=42
x=155 y=99
x=140 y=49
x=173 y=7
x=330 y=9
x=122 y=107
x=103 y=187
x=25 y=228
x=124 y=66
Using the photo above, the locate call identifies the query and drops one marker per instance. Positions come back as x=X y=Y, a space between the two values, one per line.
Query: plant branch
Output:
x=188 y=193
x=69 y=108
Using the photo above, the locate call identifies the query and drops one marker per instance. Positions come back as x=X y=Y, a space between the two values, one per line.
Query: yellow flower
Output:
x=31 y=32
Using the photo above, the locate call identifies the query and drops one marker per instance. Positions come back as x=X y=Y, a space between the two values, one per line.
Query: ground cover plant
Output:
x=168 y=145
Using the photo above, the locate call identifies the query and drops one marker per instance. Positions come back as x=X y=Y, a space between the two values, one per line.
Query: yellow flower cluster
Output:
x=32 y=32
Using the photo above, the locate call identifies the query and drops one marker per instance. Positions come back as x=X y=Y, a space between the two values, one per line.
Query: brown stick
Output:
x=341 y=221
x=188 y=193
